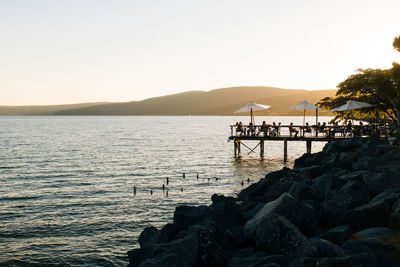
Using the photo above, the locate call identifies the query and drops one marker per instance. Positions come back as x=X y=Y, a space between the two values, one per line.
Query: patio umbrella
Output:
x=350 y=105
x=303 y=105
x=251 y=107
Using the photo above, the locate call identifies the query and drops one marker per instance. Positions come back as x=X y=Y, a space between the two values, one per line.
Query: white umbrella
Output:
x=351 y=104
x=251 y=107
x=303 y=105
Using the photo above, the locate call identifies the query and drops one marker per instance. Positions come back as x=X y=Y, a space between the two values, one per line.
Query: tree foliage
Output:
x=381 y=88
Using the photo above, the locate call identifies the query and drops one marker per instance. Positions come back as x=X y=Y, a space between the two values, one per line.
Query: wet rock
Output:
x=303 y=191
x=337 y=235
x=169 y=232
x=390 y=196
x=323 y=184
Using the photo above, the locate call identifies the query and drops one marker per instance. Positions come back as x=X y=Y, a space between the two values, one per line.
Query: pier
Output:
x=307 y=134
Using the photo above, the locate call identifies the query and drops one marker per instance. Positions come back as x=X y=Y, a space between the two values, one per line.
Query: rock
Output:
x=382 y=180
x=289 y=207
x=303 y=191
x=322 y=248
x=358 y=260
x=186 y=215
x=315 y=171
x=375 y=233
x=137 y=256
x=169 y=232
x=390 y=196
x=369 y=215
x=163 y=260
x=351 y=195
x=280 y=187
x=308 y=160
x=276 y=235
x=248 y=214
x=337 y=235
x=323 y=184
x=258 y=259
x=225 y=213
x=350 y=143
x=148 y=237
x=210 y=252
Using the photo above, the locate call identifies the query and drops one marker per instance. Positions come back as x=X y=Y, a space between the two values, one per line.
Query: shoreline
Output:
x=340 y=206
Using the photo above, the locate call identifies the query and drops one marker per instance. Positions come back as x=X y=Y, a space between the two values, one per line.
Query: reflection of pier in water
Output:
x=308 y=134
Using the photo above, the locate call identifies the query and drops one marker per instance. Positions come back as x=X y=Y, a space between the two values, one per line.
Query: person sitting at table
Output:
x=307 y=129
x=349 y=128
x=251 y=130
x=274 y=130
x=264 y=128
x=293 y=130
x=239 y=128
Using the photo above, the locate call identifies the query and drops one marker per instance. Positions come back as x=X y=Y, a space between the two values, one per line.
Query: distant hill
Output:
x=215 y=102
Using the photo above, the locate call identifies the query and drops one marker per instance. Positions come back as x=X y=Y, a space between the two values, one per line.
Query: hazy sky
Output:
x=73 y=51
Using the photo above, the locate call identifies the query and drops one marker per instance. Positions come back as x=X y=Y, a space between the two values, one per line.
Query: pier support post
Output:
x=285 y=150
x=238 y=147
x=234 y=148
x=262 y=148
x=308 y=145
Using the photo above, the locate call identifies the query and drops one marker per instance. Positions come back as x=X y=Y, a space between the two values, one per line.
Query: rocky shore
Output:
x=338 y=207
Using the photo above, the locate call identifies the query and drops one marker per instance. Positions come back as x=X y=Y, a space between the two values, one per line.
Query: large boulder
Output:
x=322 y=248
x=148 y=237
x=276 y=235
x=187 y=215
x=358 y=260
x=372 y=214
x=375 y=233
x=303 y=191
x=337 y=235
x=295 y=211
x=382 y=180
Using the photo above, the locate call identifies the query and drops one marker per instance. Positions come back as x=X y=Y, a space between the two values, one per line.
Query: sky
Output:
x=76 y=51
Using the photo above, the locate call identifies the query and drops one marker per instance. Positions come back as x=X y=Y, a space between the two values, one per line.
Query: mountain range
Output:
x=221 y=101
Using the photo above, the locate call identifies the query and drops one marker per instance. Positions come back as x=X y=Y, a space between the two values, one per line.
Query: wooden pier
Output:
x=305 y=134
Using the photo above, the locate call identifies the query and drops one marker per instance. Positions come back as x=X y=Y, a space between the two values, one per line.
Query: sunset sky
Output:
x=73 y=51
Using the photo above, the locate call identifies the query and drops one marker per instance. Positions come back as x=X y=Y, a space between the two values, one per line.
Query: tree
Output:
x=381 y=88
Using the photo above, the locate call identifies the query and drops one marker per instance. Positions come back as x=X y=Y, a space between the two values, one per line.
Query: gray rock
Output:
x=187 y=215
x=169 y=232
x=375 y=233
x=289 y=207
x=258 y=260
x=163 y=260
x=276 y=235
x=382 y=180
x=372 y=214
x=337 y=235
x=148 y=237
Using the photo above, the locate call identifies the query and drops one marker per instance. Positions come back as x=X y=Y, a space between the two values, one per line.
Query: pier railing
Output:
x=303 y=132
x=285 y=133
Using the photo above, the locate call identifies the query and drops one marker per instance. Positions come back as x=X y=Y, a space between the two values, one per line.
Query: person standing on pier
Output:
x=293 y=130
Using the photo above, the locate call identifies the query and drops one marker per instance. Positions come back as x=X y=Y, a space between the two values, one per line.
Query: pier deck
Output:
x=307 y=134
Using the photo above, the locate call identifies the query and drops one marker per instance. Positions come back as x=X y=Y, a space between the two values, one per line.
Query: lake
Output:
x=66 y=183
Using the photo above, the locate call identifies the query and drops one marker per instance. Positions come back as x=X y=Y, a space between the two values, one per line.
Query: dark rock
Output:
x=318 y=208
x=322 y=248
x=372 y=214
x=356 y=247
x=350 y=143
x=382 y=180
x=390 y=196
x=307 y=160
x=258 y=259
x=148 y=237
x=292 y=209
x=276 y=235
x=163 y=260
x=358 y=260
x=137 y=256
x=186 y=215
x=248 y=214
x=278 y=188
x=315 y=171
x=351 y=195
x=323 y=184
x=375 y=233
x=337 y=235
x=303 y=191
x=353 y=176
x=395 y=216
x=224 y=213
x=169 y=232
